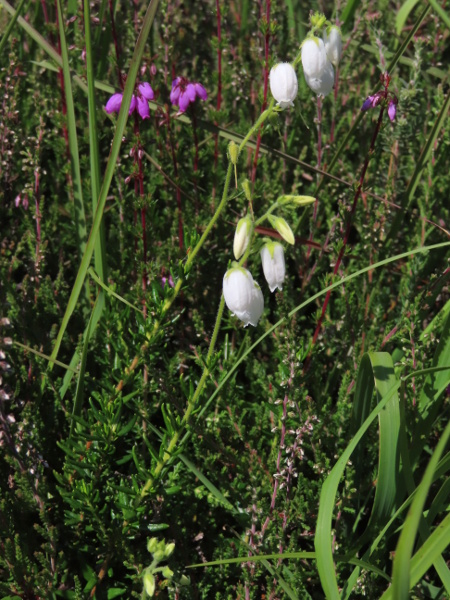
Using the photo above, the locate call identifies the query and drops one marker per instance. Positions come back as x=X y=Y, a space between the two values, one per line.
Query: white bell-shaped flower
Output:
x=283 y=84
x=243 y=296
x=322 y=85
x=333 y=44
x=272 y=258
x=314 y=57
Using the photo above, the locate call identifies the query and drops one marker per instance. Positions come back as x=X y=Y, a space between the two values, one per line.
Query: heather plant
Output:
x=225 y=328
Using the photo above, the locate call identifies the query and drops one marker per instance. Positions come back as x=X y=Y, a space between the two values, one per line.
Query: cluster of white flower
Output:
x=319 y=57
x=242 y=294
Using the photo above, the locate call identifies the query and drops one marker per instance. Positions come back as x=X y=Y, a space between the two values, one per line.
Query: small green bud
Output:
x=169 y=549
x=242 y=236
x=247 y=190
x=167 y=573
x=152 y=545
x=318 y=20
x=233 y=150
x=283 y=228
x=149 y=583
x=184 y=580
x=297 y=200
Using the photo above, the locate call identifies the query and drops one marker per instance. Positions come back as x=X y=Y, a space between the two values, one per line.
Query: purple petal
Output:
x=142 y=108
x=201 y=92
x=392 y=110
x=114 y=103
x=184 y=101
x=368 y=103
x=146 y=91
x=174 y=95
x=175 y=82
x=132 y=104
x=190 y=91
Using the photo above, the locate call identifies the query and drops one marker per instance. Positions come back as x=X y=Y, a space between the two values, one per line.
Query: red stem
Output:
x=348 y=228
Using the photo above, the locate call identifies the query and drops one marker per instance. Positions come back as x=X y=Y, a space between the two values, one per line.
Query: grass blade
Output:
x=99 y=249
x=402 y=568
x=115 y=148
x=78 y=208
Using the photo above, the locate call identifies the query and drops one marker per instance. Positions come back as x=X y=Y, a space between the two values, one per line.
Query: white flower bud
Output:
x=272 y=258
x=242 y=236
x=149 y=583
x=283 y=228
x=243 y=296
x=283 y=84
x=314 y=57
x=322 y=85
x=333 y=44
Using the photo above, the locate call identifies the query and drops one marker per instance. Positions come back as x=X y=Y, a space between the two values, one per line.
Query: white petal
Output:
x=314 y=57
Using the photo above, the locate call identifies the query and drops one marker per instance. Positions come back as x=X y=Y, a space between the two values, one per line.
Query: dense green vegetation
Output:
x=144 y=431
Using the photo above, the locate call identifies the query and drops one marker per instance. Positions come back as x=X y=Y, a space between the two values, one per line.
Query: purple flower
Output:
x=368 y=103
x=139 y=101
x=184 y=92
x=392 y=108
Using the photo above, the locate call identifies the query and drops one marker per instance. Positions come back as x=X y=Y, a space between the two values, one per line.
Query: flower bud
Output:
x=283 y=84
x=297 y=200
x=333 y=44
x=149 y=583
x=283 y=229
x=242 y=236
x=243 y=295
x=272 y=258
x=152 y=545
x=247 y=190
x=233 y=150
x=169 y=549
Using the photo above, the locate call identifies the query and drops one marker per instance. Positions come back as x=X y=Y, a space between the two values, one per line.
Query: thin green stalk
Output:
x=79 y=213
x=11 y=25
x=100 y=248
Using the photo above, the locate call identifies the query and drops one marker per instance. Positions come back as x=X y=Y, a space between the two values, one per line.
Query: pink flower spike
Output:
x=184 y=101
x=142 y=108
x=201 y=92
x=145 y=89
x=114 y=104
x=190 y=91
x=392 y=110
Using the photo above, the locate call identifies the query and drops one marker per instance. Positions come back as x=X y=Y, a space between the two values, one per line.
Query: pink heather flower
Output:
x=392 y=108
x=139 y=101
x=184 y=92
x=168 y=280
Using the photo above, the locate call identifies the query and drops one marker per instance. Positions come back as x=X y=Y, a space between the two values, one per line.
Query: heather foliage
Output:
x=151 y=445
